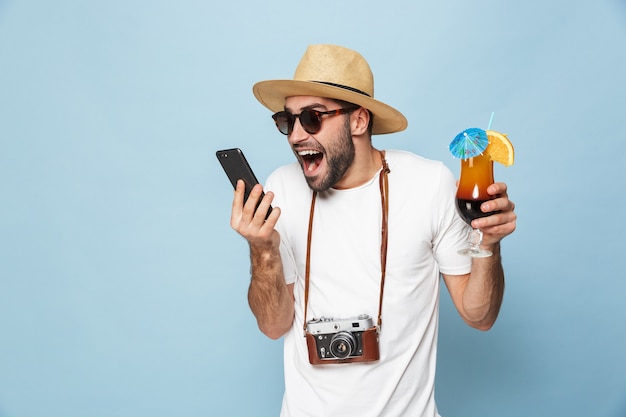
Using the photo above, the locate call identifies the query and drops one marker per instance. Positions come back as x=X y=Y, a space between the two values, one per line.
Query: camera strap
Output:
x=383 y=181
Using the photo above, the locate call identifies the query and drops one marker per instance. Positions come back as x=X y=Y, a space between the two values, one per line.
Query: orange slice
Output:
x=500 y=148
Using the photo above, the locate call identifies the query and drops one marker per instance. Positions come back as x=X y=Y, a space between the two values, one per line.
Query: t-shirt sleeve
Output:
x=451 y=230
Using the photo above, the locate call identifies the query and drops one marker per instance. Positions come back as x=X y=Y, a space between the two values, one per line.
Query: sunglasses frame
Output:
x=313 y=115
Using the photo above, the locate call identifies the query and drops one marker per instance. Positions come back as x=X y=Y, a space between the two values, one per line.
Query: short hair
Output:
x=344 y=103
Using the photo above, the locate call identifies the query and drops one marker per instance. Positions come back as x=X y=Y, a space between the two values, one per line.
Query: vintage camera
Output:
x=342 y=340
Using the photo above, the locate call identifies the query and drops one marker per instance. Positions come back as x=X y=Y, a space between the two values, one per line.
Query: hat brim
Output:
x=272 y=94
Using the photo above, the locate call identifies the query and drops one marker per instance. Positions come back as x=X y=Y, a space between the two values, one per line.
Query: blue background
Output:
x=122 y=286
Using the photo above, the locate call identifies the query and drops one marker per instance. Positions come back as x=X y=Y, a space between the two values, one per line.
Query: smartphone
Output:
x=237 y=167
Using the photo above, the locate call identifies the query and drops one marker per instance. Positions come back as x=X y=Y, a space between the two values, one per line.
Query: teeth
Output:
x=311 y=164
x=308 y=152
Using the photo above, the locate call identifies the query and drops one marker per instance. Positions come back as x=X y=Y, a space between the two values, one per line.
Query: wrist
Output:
x=494 y=248
x=263 y=250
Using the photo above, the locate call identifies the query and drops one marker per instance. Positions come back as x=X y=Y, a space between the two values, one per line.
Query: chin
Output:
x=316 y=184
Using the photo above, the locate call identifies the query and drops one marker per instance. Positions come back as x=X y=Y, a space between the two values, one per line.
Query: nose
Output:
x=298 y=134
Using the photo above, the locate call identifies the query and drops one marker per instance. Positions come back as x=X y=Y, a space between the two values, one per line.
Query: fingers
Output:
x=497 y=188
x=248 y=219
x=250 y=206
x=503 y=221
x=501 y=224
x=237 y=206
x=500 y=202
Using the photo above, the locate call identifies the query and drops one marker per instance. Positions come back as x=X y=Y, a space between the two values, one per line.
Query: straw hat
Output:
x=334 y=72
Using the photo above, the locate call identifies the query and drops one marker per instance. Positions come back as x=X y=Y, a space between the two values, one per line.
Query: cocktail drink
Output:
x=476 y=176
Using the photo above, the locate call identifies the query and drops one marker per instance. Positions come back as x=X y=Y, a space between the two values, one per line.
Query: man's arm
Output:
x=270 y=298
x=478 y=295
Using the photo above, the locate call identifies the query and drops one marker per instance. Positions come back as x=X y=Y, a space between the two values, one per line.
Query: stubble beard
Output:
x=339 y=157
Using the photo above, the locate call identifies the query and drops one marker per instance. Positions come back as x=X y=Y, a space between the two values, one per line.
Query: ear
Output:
x=359 y=121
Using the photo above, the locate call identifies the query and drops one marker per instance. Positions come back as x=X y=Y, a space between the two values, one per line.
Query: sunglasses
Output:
x=311 y=120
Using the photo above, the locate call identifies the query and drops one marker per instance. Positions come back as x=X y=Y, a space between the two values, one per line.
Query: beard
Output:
x=339 y=156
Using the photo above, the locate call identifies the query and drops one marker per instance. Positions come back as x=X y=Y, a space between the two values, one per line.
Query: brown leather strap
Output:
x=384 y=198
x=307 y=269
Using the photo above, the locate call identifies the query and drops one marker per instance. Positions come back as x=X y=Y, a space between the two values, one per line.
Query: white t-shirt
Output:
x=424 y=235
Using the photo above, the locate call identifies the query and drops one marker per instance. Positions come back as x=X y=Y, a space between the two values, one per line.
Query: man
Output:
x=357 y=232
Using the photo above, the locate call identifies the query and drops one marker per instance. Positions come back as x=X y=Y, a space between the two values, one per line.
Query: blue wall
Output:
x=122 y=286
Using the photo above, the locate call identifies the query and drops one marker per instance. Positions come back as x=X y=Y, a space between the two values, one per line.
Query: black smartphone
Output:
x=237 y=167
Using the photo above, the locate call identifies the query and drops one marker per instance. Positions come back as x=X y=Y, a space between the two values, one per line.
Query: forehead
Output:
x=301 y=102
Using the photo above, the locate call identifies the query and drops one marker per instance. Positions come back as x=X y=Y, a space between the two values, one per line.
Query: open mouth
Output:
x=311 y=160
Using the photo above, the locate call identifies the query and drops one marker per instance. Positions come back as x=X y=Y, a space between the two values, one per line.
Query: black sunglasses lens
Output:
x=284 y=122
x=311 y=121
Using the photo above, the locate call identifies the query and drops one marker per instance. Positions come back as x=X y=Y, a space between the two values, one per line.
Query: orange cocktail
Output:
x=476 y=176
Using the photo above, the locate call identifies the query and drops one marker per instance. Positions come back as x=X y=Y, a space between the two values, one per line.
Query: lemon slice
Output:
x=500 y=148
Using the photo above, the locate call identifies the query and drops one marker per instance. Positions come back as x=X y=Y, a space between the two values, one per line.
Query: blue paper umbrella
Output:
x=469 y=143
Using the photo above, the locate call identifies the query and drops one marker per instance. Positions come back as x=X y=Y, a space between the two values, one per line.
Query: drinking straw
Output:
x=490 y=120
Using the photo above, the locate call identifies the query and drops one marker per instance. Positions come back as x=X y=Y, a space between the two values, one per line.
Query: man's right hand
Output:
x=249 y=221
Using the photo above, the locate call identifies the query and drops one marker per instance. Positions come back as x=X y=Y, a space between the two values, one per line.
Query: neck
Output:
x=366 y=164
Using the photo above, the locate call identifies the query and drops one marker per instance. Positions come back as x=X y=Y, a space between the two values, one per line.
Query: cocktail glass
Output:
x=476 y=176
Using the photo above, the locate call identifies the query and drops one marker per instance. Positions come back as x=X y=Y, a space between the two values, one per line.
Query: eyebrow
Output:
x=309 y=107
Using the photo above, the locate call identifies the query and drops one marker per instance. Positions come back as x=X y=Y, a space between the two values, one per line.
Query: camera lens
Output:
x=342 y=345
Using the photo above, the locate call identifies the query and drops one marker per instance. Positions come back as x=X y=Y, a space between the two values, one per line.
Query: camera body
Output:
x=332 y=340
